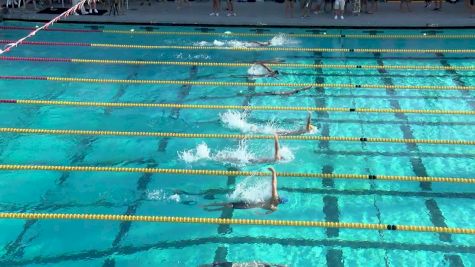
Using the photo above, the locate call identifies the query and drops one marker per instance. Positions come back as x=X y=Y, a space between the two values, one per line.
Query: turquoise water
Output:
x=97 y=243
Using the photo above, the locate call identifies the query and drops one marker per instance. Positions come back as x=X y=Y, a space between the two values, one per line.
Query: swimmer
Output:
x=307 y=129
x=284 y=93
x=261 y=44
x=242 y=264
x=260 y=70
x=270 y=205
x=277 y=157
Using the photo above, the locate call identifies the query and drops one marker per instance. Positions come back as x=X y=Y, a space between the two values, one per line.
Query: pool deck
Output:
x=272 y=14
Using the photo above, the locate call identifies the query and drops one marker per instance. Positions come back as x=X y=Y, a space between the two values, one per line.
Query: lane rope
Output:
x=228 y=107
x=201 y=220
x=240 y=34
x=238 y=136
x=214 y=83
x=252 y=49
x=369 y=177
x=229 y=64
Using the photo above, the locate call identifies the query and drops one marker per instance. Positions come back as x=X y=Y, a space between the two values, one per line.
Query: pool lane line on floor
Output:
x=237 y=136
x=369 y=177
x=132 y=31
x=90 y=254
x=227 y=107
x=227 y=84
x=247 y=49
x=198 y=220
x=231 y=64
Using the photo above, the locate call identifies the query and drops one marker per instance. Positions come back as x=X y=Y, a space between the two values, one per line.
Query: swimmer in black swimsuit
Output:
x=270 y=205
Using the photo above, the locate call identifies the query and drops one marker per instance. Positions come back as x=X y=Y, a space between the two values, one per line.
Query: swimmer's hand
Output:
x=263 y=214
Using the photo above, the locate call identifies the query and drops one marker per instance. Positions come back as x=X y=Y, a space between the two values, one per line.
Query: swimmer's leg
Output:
x=220 y=206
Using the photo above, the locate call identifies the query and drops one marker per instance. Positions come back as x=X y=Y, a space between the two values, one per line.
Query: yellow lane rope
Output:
x=304 y=35
x=237 y=136
x=167 y=219
x=295 y=49
x=274 y=108
x=213 y=83
x=238 y=173
x=281 y=65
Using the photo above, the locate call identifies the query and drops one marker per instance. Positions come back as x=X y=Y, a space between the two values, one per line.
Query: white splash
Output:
x=283 y=39
x=175 y=198
x=286 y=154
x=156 y=195
x=239 y=156
x=218 y=43
x=257 y=70
x=190 y=57
x=201 y=151
x=252 y=189
x=236 y=120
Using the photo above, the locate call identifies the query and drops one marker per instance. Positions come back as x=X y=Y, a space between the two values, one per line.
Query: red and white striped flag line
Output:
x=63 y=15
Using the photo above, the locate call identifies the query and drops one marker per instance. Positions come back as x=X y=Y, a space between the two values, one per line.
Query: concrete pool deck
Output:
x=270 y=14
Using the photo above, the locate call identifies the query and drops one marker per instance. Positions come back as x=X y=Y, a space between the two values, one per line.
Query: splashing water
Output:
x=201 y=151
x=239 y=156
x=175 y=197
x=283 y=39
x=257 y=70
x=237 y=121
x=286 y=154
x=252 y=190
x=156 y=195
x=161 y=195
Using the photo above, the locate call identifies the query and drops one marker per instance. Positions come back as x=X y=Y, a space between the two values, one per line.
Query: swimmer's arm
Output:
x=265 y=67
x=275 y=195
x=265 y=213
x=276 y=148
x=309 y=122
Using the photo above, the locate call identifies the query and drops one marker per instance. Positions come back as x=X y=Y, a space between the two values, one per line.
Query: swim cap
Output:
x=283 y=200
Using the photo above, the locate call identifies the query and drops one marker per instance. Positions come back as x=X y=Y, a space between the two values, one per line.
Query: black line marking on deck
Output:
x=456 y=78
x=124 y=227
x=320 y=101
x=16 y=248
x=437 y=218
x=329 y=95
x=122 y=88
x=221 y=252
x=334 y=257
x=418 y=167
x=184 y=92
x=454 y=260
x=290 y=242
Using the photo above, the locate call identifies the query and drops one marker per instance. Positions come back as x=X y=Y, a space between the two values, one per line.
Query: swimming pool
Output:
x=109 y=243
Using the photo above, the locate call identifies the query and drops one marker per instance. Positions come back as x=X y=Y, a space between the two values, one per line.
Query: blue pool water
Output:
x=103 y=243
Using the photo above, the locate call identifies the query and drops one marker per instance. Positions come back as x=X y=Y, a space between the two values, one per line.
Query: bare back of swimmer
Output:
x=270 y=205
